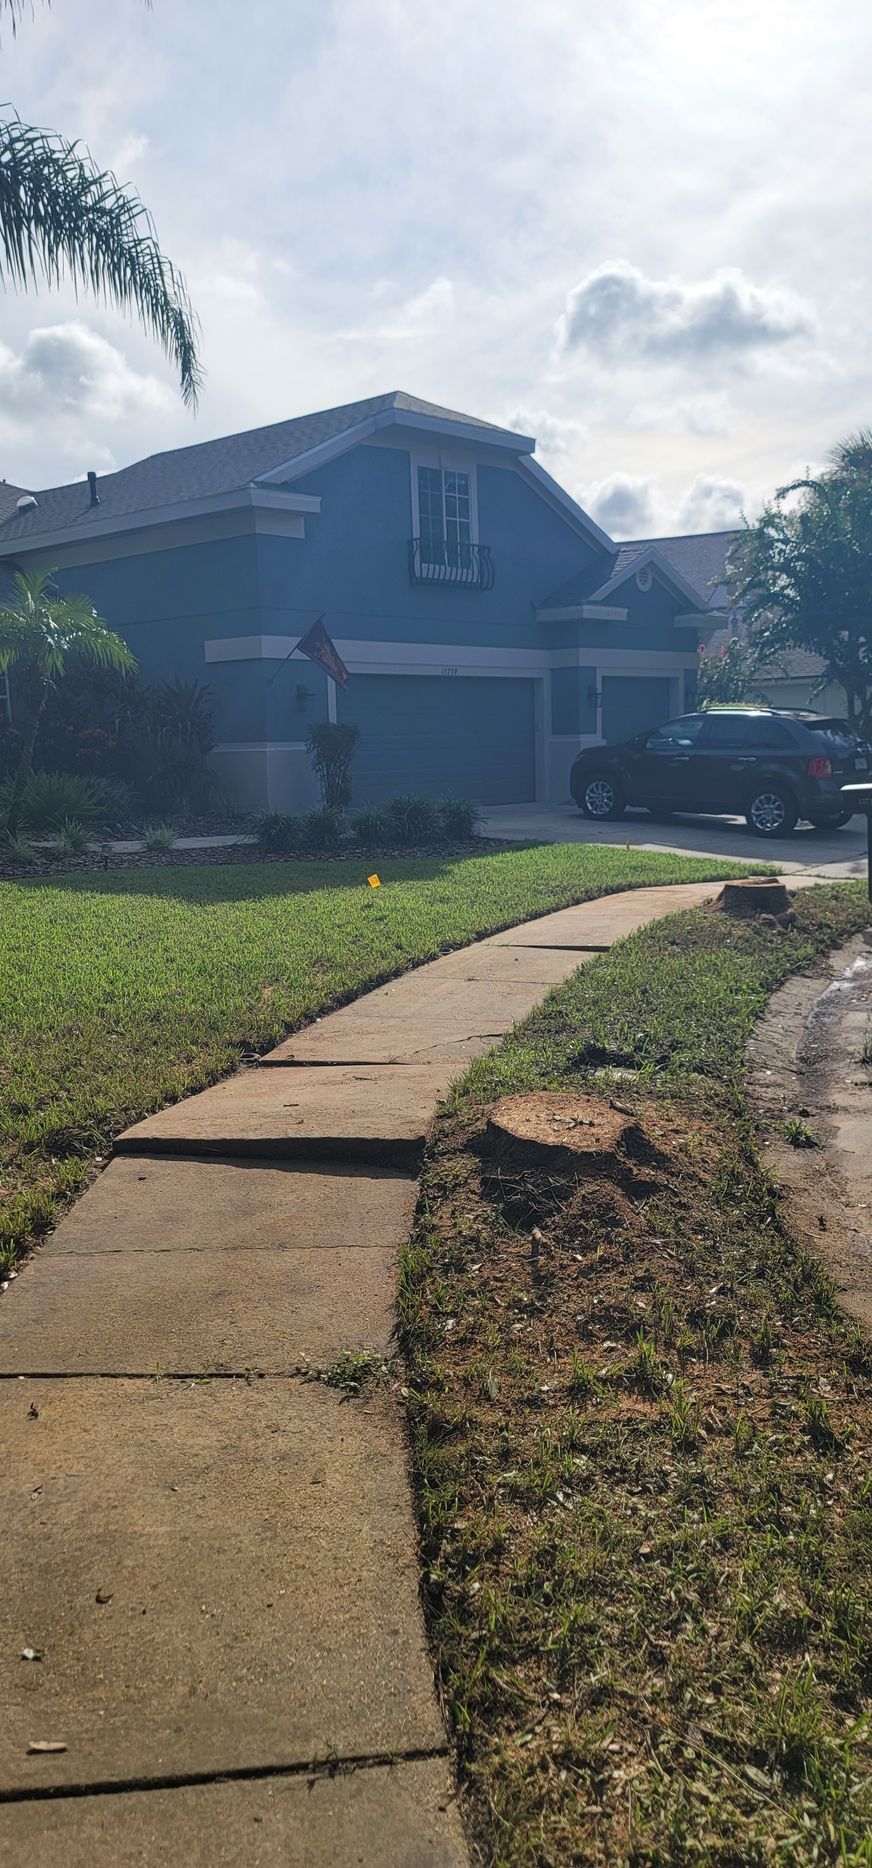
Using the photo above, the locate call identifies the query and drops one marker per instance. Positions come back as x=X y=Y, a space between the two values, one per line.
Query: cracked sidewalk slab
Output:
x=406 y=1811
x=257 y=1546
x=415 y=1018
x=211 y=1267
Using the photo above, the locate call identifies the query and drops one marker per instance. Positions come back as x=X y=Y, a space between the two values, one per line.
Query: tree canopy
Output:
x=61 y=213
x=803 y=573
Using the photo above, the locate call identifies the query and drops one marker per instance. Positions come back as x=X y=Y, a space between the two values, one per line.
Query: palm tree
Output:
x=39 y=633
x=60 y=212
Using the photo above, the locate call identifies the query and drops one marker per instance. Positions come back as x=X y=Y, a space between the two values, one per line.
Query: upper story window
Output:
x=445 y=548
x=5 y=699
x=445 y=517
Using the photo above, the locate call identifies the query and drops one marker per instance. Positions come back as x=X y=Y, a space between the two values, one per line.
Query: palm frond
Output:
x=60 y=213
x=41 y=630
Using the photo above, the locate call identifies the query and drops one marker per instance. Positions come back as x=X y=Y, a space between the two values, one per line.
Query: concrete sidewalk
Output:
x=213 y=1555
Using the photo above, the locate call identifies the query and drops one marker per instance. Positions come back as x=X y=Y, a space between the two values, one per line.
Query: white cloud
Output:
x=67 y=369
x=617 y=311
x=556 y=436
x=129 y=154
x=624 y=504
x=690 y=415
x=711 y=505
x=423 y=315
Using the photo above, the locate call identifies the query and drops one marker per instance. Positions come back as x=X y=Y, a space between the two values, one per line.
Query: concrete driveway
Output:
x=840 y=854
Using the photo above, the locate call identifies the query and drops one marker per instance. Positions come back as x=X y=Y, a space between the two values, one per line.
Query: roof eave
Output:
x=569 y=507
x=470 y=432
x=666 y=572
x=581 y=613
x=253 y=497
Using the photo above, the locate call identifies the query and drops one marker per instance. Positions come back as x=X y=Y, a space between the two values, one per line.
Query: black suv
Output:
x=772 y=767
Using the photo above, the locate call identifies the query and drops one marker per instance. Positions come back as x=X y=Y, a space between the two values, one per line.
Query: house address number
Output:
x=449 y=671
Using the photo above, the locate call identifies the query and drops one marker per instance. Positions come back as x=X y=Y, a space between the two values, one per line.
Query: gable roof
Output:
x=699 y=557
x=208 y=469
x=693 y=566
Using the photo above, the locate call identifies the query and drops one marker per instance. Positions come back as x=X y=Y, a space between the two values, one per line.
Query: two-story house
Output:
x=490 y=627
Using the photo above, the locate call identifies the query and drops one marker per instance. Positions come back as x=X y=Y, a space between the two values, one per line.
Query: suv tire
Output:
x=771 y=810
x=602 y=799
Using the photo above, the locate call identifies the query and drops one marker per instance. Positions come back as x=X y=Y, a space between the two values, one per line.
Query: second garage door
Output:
x=442 y=736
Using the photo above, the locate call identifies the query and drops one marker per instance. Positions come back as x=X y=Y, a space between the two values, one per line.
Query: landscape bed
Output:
x=641 y=1435
x=122 y=992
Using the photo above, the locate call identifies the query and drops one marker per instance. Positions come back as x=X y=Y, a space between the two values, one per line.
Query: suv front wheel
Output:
x=771 y=810
x=601 y=797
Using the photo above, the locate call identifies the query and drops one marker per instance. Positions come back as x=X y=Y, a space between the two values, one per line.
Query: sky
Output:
x=638 y=231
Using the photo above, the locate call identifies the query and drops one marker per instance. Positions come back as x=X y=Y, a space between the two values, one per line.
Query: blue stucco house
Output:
x=490 y=627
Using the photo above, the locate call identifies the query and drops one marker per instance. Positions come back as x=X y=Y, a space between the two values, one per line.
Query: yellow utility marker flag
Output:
x=374 y=882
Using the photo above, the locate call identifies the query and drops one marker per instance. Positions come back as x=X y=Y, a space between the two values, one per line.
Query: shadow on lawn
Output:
x=210 y=883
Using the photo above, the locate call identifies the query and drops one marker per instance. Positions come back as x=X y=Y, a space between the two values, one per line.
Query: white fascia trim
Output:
x=251 y=648
x=583 y=613
x=624 y=660
x=433 y=658
x=326 y=451
x=568 y=506
x=462 y=431
x=248 y=498
x=693 y=620
x=665 y=571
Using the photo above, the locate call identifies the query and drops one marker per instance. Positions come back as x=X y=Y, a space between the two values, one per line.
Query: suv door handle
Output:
x=680 y=758
x=747 y=759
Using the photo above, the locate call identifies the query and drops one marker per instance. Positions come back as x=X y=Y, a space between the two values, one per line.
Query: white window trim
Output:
x=450 y=461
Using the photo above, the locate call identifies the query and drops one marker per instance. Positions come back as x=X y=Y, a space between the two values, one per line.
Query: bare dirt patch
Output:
x=812 y=1088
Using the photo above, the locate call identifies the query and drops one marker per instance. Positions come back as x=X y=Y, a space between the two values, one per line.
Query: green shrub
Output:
x=330 y=746
x=322 y=829
x=459 y=819
x=72 y=838
x=413 y=820
x=276 y=830
x=17 y=852
x=51 y=797
x=369 y=827
x=156 y=837
x=116 y=803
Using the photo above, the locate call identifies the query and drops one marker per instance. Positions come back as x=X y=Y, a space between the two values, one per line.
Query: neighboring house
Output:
x=794 y=680
x=489 y=626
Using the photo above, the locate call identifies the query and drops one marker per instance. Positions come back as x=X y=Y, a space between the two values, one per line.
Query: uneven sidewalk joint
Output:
x=315 y=1767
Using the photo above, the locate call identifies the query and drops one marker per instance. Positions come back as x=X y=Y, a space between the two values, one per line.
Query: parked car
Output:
x=771 y=767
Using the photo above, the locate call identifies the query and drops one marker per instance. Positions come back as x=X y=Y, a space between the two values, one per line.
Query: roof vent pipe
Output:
x=92 y=487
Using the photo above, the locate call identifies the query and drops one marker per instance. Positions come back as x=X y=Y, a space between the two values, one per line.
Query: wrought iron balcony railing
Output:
x=471 y=565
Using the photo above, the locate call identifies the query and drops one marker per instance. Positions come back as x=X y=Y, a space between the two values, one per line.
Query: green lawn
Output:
x=642 y=1443
x=122 y=992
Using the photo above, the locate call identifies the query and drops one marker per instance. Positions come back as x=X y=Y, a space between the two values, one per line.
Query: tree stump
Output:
x=756 y=895
x=561 y=1132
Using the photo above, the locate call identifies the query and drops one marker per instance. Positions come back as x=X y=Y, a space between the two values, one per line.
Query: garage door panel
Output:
x=455 y=736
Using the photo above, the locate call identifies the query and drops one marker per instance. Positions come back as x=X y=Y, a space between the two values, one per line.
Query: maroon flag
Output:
x=317 y=645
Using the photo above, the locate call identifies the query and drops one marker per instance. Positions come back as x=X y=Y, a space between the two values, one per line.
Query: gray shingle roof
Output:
x=699 y=557
x=9 y=497
x=207 y=468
